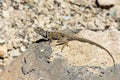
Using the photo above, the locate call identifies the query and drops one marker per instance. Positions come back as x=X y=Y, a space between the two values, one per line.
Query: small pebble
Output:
x=2 y=41
x=1 y=54
x=22 y=49
x=16 y=53
x=3 y=51
x=5 y=14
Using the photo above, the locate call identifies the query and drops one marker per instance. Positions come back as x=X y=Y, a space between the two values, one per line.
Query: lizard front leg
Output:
x=63 y=42
x=50 y=40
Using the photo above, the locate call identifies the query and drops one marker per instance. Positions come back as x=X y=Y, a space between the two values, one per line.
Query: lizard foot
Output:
x=61 y=42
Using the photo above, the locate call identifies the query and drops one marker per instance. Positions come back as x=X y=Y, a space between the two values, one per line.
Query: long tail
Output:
x=91 y=42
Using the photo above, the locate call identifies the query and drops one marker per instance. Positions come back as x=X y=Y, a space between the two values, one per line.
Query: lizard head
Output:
x=40 y=31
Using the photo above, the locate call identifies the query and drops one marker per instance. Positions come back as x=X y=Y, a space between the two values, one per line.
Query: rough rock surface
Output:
x=34 y=65
x=18 y=19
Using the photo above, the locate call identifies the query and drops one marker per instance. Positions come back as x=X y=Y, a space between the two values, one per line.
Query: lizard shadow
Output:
x=41 y=40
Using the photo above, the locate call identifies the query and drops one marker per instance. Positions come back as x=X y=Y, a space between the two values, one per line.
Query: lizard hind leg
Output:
x=63 y=42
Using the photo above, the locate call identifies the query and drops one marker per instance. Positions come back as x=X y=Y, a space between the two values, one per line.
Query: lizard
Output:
x=64 y=38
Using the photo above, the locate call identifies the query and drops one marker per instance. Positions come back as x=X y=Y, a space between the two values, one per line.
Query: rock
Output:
x=33 y=62
x=18 y=1
x=1 y=2
x=82 y=2
x=105 y=3
x=2 y=41
x=115 y=12
x=3 y=51
x=34 y=65
x=10 y=45
x=5 y=14
x=1 y=54
x=1 y=23
x=22 y=49
x=16 y=53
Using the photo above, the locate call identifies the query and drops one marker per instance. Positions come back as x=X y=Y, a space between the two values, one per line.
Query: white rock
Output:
x=10 y=45
x=17 y=1
x=5 y=14
x=22 y=49
x=1 y=23
x=16 y=53
x=2 y=41
x=106 y=2
x=10 y=9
